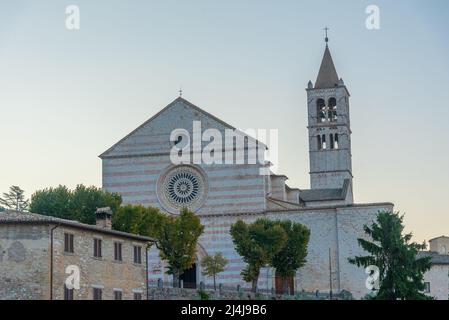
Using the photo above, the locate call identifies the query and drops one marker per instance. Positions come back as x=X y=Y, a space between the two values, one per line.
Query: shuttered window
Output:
x=97 y=248
x=68 y=243
x=137 y=254
x=117 y=251
x=98 y=294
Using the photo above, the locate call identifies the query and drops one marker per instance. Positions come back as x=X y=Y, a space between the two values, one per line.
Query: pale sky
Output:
x=67 y=96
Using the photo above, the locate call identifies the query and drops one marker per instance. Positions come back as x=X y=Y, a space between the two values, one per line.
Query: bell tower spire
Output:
x=329 y=129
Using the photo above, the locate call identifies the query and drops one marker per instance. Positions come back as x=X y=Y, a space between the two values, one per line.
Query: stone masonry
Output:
x=26 y=262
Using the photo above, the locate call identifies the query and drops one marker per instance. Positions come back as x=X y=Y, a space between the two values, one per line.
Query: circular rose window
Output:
x=182 y=186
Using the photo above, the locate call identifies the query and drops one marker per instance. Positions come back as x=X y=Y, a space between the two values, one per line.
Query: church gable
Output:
x=153 y=136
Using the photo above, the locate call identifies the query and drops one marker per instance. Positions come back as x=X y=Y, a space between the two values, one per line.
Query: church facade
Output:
x=141 y=168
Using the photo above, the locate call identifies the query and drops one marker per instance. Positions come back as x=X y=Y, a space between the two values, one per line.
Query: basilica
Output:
x=141 y=168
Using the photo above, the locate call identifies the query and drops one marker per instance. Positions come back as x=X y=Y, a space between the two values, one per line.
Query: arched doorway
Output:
x=189 y=278
x=279 y=285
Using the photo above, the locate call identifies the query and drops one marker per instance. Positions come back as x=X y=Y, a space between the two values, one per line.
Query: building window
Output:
x=336 y=141
x=118 y=294
x=332 y=110
x=321 y=110
x=98 y=294
x=332 y=141
x=68 y=293
x=68 y=243
x=97 y=248
x=117 y=251
x=137 y=296
x=138 y=254
x=323 y=142
x=426 y=287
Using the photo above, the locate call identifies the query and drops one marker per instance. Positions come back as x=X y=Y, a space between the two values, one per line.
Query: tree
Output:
x=2 y=209
x=401 y=273
x=79 y=204
x=257 y=243
x=293 y=255
x=213 y=265
x=86 y=200
x=176 y=239
x=15 y=199
x=138 y=220
x=55 y=202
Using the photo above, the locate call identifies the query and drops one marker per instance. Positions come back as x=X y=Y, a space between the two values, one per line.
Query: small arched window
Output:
x=323 y=142
x=319 y=142
x=321 y=110
x=336 y=141
x=332 y=111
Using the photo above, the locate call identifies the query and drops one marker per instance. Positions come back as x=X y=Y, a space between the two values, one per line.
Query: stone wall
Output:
x=24 y=262
x=104 y=273
x=438 y=277
x=334 y=228
x=168 y=293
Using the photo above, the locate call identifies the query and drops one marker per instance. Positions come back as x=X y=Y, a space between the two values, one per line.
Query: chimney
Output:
x=104 y=218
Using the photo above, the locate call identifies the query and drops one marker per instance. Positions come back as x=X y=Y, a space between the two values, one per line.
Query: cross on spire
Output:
x=326 y=29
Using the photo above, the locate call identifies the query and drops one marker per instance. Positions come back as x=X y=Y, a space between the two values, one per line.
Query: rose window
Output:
x=182 y=186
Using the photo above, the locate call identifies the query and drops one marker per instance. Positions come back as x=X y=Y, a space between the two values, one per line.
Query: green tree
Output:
x=86 y=200
x=79 y=204
x=145 y=221
x=55 y=202
x=213 y=265
x=293 y=255
x=15 y=199
x=2 y=209
x=401 y=273
x=257 y=243
x=176 y=239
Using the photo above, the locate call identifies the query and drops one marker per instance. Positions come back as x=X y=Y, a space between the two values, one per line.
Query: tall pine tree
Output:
x=401 y=273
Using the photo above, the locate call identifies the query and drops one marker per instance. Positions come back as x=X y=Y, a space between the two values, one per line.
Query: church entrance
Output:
x=189 y=278
x=279 y=285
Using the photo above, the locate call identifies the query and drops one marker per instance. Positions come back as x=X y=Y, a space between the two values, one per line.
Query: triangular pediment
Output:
x=153 y=136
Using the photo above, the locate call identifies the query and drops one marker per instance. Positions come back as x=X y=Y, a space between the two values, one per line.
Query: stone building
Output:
x=437 y=278
x=38 y=253
x=141 y=168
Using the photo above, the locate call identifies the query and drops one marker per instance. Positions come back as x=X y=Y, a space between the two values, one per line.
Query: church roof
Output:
x=325 y=194
x=191 y=106
x=327 y=76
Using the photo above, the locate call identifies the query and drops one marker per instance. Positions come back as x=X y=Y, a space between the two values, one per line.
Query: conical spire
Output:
x=327 y=76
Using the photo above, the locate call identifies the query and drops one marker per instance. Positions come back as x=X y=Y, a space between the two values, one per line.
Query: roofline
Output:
x=291 y=189
x=82 y=226
x=103 y=155
x=446 y=237
x=300 y=209
x=279 y=176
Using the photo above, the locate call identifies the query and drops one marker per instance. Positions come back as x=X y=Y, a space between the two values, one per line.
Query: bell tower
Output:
x=329 y=129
